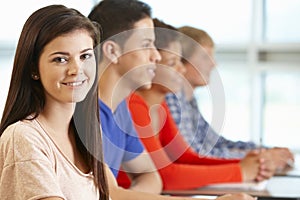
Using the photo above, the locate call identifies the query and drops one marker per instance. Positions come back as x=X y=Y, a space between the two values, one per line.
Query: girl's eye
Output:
x=86 y=56
x=60 y=59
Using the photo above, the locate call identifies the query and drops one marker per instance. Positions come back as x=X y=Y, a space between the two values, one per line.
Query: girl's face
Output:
x=67 y=67
x=169 y=71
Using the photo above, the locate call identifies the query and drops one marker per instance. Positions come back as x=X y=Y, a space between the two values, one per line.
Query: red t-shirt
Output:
x=178 y=165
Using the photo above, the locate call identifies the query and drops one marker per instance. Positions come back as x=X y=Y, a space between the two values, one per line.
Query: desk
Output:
x=278 y=187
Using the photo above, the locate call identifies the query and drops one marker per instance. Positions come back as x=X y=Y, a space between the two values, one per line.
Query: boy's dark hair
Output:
x=116 y=16
x=164 y=34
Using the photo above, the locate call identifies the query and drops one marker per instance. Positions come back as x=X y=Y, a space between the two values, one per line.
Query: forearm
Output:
x=116 y=192
x=184 y=177
x=147 y=182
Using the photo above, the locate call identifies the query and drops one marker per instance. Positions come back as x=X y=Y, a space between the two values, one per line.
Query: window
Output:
x=14 y=14
x=221 y=19
x=236 y=117
x=282 y=108
x=282 y=20
x=5 y=73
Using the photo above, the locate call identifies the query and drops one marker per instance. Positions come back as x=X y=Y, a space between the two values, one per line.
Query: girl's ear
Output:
x=111 y=50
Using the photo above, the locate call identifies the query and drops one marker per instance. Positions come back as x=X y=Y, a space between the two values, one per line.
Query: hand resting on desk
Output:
x=282 y=157
x=257 y=166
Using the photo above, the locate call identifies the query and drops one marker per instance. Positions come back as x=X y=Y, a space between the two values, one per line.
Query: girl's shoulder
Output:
x=24 y=140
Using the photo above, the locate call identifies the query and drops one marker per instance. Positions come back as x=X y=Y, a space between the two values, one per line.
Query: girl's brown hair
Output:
x=26 y=96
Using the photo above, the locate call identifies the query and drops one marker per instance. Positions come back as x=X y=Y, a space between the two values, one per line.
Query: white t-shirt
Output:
x=32 y=167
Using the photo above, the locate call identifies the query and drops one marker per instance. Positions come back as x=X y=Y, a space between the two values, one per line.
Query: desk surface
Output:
x=278 y=187
x=284 y=186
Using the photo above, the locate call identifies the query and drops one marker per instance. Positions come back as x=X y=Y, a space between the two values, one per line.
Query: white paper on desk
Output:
x=245 y=186
x=204 y=197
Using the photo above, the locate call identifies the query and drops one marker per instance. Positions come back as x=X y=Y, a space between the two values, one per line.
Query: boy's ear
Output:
x=111 y=50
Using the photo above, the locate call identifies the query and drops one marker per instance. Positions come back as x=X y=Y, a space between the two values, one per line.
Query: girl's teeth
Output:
x=74 y=84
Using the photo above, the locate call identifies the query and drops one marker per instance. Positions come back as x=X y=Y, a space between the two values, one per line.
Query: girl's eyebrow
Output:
x=88 y=49
x=65 y=53
x=59 y=52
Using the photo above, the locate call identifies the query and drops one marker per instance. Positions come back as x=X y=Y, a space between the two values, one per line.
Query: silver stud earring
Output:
x=35 y=77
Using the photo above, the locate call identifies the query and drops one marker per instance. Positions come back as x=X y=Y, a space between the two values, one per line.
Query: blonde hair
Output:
x=195 y=35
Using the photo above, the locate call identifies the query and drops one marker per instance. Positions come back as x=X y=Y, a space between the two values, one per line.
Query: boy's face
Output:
x=139 y=56
x=198 y=74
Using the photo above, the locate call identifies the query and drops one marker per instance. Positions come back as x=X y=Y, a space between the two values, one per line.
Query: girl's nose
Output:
x=75 y=68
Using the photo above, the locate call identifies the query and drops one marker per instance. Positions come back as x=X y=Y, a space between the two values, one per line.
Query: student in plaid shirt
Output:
x=199 y=134
x=183 y=105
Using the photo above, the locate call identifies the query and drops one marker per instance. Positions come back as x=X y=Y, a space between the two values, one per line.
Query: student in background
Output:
x=123 y=52
x=128 y=58
x=50 y=144
x=198 y=58
x=179 y=166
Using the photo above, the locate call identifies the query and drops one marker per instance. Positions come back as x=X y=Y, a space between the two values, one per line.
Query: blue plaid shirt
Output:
x=199 y=134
